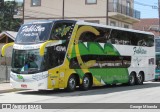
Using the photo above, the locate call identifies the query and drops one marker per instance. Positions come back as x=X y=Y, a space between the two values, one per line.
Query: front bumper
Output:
x=29 y=81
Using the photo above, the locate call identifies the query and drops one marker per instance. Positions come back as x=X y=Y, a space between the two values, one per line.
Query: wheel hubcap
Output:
x=139 y=78
x=132 y=79
x=72 y=83
x=86 y=82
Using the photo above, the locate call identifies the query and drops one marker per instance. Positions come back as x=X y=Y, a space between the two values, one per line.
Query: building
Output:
x=5 y=62
x=7 y=37
x=148 y=24
x=119 y=13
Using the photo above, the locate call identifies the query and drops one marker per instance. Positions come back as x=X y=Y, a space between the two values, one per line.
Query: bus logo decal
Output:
x=137 y=60
x=61 y=48
x=19 y=77
x=139 y=50
x=32 y=28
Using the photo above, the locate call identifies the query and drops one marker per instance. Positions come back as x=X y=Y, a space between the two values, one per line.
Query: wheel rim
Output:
x=131 y=79
x=86 y=82
x=72 y=83
x=140 y=78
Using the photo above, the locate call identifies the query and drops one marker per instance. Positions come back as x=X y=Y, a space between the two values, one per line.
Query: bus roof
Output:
x=113 y=27
x=81 y=22
x=47 y=21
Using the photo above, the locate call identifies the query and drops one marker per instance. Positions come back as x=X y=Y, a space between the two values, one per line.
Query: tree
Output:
x=7 y=22
x=1 y=3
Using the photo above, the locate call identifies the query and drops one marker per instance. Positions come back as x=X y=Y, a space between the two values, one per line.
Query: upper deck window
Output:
x=34 y=33
x=62 y=30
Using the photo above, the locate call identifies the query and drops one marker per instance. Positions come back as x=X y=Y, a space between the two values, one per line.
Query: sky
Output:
x=146 y=9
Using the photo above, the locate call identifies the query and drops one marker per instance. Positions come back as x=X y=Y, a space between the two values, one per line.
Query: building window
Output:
x=126 y=26
x=128 y=8
x=113 y=23
x=91 y=1
x=115 y=5
x=35 y=2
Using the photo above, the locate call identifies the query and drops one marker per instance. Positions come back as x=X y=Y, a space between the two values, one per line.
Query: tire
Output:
x=71 y=85
x=132 y=79
x=139 y=79
x=86 y=83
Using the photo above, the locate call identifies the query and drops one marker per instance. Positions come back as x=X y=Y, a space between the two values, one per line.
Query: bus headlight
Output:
x=13 y=76
x=39 y=76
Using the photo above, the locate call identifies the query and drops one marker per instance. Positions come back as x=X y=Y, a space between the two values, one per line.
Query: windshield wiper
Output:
x=17 y=70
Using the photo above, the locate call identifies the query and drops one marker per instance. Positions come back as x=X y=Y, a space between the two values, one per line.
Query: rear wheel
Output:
x=132 y=79
x=139 y=79
x=86 y=83
x=71 y=86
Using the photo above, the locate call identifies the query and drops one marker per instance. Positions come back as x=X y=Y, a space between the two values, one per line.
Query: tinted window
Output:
x=101 y=61
x=62 y=30
x=131 y=38
x=119 y=37
x=91 y=37
x=33 y=33
x=157 y=45
x=56 y=55
x=115 y=36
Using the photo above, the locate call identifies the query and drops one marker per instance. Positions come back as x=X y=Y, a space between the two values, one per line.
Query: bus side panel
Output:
x=110 y=75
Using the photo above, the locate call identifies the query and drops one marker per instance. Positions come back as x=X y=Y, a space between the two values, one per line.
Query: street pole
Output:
x=6 y=69
x=159 y=16
x=63 y=10
x=107 y=12
x=23 y=11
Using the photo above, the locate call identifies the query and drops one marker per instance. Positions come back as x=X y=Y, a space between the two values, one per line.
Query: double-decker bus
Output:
x=56 y=54
x=157 y=50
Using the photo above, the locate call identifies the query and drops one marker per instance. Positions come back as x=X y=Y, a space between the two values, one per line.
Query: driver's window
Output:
x=56 y=55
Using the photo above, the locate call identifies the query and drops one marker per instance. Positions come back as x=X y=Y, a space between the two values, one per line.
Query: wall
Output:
x=3 y=73
x=2 y=64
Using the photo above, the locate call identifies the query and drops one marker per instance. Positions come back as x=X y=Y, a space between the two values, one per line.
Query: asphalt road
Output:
x=147 y=93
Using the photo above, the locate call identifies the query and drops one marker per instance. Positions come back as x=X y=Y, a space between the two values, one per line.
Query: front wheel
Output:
x=71 y=86
x=131 y=81
x=86 y=83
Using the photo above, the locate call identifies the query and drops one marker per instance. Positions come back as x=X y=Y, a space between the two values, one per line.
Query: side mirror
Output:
x=3 y=51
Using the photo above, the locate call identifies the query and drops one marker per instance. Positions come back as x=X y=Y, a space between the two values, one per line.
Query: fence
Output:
x=116 y=7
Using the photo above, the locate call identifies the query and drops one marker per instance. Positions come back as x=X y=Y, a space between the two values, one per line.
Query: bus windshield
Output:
x=27 y=61
x=34 y=33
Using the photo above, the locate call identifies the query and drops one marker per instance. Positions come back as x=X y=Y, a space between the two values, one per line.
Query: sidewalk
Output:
x=5 y=87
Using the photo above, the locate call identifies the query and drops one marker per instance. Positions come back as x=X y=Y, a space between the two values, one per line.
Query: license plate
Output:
x=23 y=85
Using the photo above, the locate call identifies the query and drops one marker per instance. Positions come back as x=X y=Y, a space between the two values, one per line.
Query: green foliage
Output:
x=7 y=22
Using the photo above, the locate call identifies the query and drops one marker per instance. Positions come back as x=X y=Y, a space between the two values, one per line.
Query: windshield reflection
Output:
x=26 y=62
